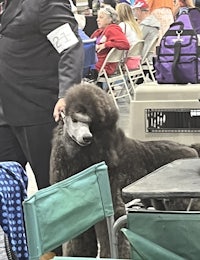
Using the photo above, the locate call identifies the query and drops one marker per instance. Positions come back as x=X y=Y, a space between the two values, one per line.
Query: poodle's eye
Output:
x=74 y=120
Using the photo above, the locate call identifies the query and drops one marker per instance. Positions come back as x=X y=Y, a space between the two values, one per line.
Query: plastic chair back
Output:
x=149 y=49
x=133 y=66
x=114 y=56
x=136 y=49
x=55 y=214
x=133 y=58
x=147 y=57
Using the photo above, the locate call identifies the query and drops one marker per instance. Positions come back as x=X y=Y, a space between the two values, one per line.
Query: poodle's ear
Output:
x=115 y=115
x=113 y=160
x=111 y=116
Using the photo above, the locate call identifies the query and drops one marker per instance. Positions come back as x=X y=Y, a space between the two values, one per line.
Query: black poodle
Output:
x=89 y=134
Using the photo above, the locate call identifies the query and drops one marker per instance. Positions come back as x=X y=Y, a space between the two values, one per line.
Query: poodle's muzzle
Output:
x=77 y=126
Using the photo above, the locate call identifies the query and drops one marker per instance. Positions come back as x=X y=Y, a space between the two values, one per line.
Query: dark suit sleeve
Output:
x=53 y=14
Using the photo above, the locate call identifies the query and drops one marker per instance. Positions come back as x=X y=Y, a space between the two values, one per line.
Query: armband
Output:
x=62 y=37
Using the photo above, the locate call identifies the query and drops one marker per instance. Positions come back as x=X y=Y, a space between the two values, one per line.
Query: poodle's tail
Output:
x=196 y=147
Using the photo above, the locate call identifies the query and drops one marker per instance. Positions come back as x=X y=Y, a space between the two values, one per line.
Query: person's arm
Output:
x=114 y=38
x=54 y=14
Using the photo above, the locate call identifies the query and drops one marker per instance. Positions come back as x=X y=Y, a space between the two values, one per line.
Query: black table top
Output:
x=180 y=178
x=91 y=25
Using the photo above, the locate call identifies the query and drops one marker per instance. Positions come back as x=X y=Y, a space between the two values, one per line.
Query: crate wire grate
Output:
x=172 y=120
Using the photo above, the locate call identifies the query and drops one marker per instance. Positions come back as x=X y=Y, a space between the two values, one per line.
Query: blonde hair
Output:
x=125 y=14
x=111 y=13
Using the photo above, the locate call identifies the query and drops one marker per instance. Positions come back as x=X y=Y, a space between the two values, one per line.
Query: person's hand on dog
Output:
x=59 y=107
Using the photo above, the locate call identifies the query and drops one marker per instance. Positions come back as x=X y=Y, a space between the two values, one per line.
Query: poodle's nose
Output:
x=87 y=139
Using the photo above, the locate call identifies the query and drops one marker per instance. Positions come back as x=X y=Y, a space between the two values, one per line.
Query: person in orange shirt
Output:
x=163 y=11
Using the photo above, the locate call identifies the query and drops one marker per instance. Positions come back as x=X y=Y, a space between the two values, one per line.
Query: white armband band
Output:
x=62 y=37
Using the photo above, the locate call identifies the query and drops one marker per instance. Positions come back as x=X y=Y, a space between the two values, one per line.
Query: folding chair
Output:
x=117 y=86
x=89 y=55
x=133 y=74
x=166 y=235
x=53 y=216
x=147 y=57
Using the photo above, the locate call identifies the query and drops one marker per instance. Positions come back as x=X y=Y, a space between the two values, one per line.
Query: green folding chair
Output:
x=57 y=208
x=166 y=235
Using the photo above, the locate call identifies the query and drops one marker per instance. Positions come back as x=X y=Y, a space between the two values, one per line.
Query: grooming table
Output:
x=156 y=234
x=180 y=178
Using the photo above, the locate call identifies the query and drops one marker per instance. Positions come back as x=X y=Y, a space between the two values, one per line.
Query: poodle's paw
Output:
x=48 y=256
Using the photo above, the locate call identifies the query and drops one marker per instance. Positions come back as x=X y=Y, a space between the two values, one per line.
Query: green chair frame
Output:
x=166 y=235
x=57 y=206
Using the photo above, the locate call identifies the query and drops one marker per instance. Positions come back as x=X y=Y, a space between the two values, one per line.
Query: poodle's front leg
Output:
x=102 y=233
x=83 y=245
x=103 y=239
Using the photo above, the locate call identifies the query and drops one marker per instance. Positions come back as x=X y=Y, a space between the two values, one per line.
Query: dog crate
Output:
x=166 y=112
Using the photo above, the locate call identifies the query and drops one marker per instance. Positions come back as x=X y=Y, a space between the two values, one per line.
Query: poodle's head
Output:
x=89 y=111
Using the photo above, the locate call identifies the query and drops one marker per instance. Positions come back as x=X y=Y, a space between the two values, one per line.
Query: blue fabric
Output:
x=90 y=57
x=13 y=187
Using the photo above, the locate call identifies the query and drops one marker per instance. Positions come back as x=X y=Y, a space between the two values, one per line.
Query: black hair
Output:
x=110 y=2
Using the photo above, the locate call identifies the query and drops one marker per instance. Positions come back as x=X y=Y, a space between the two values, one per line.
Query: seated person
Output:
x=149 y=25
x=108 y=36
x=128 y=23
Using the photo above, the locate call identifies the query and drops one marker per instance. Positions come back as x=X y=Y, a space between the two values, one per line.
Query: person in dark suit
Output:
x=41 y=56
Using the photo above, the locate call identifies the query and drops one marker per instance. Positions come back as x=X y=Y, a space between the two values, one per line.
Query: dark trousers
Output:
x=28 y=144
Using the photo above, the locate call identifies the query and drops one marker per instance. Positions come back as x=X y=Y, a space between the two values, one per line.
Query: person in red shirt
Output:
x=108 y=35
